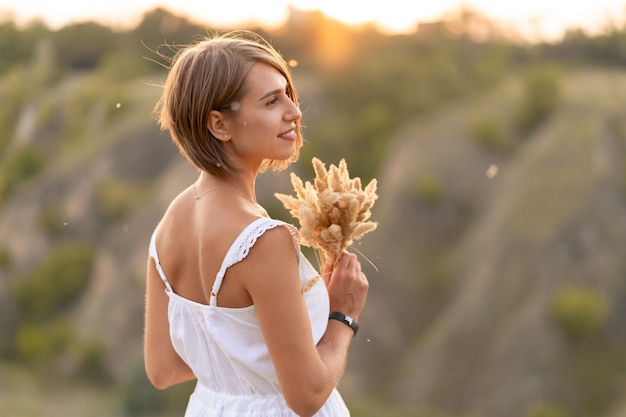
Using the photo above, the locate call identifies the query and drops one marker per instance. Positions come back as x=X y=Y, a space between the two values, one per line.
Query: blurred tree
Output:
x=81 y=46
x=162 y=27
x=580 y=312
x=60 y=277
x=37 y=342
x=18 y=45
x=26 y=163
x=541 y=92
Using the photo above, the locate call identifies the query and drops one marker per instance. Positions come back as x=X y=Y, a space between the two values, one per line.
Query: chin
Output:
x=283 y=156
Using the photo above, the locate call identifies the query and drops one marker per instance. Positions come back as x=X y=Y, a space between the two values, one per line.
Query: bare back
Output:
x=193 y=238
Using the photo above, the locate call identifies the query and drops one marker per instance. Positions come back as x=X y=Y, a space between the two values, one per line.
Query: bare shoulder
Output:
x=179 y=208
x=273 y=254
x=277 y=241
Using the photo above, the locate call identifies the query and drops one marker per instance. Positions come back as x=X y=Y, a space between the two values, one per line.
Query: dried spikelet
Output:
x=333 y=211
x=321 y=180
x=363 y=228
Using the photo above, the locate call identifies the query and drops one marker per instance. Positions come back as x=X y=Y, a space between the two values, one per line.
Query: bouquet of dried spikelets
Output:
x=333 y=212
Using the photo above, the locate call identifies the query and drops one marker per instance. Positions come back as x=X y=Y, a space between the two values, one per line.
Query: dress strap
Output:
x=154 y=255
x=242 y=245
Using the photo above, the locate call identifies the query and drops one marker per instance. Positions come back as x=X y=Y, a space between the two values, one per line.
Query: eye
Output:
x=272 y=101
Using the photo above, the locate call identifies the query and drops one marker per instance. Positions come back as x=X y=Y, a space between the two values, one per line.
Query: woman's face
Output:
x=264 y=125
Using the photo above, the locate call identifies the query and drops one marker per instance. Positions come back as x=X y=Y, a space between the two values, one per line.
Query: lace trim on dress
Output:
x=310 y=283
x=242 y=245
x=247 y=240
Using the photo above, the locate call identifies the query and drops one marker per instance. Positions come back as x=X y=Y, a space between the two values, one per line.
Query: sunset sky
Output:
x=546 y=18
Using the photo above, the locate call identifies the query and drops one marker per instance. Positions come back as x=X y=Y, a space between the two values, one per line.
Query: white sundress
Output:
x=225 y=349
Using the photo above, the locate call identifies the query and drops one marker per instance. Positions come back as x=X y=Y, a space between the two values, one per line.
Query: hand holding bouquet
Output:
x=333 y=212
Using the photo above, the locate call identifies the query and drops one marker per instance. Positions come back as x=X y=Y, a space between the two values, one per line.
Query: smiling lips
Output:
x=290 y=135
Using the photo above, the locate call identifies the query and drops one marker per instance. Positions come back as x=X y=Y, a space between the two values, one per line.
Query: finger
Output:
x=344 y=258
x=356 y=264
x=350 y=259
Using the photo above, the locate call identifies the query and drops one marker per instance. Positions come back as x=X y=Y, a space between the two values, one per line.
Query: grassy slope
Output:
x=473 y=275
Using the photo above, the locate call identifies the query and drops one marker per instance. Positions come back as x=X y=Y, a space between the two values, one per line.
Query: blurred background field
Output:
x=499 y=283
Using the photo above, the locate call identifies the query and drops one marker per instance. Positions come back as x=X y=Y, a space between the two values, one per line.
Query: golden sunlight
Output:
x=390 y=15
x=535 y=17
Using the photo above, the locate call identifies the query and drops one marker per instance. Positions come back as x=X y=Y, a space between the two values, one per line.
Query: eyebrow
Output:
x=271 y=93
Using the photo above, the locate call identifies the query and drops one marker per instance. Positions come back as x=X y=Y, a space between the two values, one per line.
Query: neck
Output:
x=242 y=184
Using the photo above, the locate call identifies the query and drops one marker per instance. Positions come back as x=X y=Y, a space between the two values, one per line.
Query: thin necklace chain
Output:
x=199 y=196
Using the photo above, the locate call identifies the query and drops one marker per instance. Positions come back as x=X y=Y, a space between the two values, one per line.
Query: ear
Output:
x=219 y=124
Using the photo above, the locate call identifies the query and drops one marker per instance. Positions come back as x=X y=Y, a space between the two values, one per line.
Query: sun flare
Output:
x=389 y=15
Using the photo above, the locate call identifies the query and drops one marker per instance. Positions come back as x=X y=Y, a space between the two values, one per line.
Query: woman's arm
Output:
x=163 y=365
x=307 y=373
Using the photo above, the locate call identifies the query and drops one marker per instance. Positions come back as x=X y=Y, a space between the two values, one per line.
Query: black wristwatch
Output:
x=345 y=319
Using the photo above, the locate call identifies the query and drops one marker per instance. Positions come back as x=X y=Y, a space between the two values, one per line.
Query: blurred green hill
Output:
x=497 y=283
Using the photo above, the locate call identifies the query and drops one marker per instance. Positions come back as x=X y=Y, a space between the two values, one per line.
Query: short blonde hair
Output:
x=209 y=75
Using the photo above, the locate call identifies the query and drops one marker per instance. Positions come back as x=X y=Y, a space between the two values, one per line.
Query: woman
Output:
x=230 y=300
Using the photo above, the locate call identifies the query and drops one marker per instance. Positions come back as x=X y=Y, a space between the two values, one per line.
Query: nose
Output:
x=293 y=113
